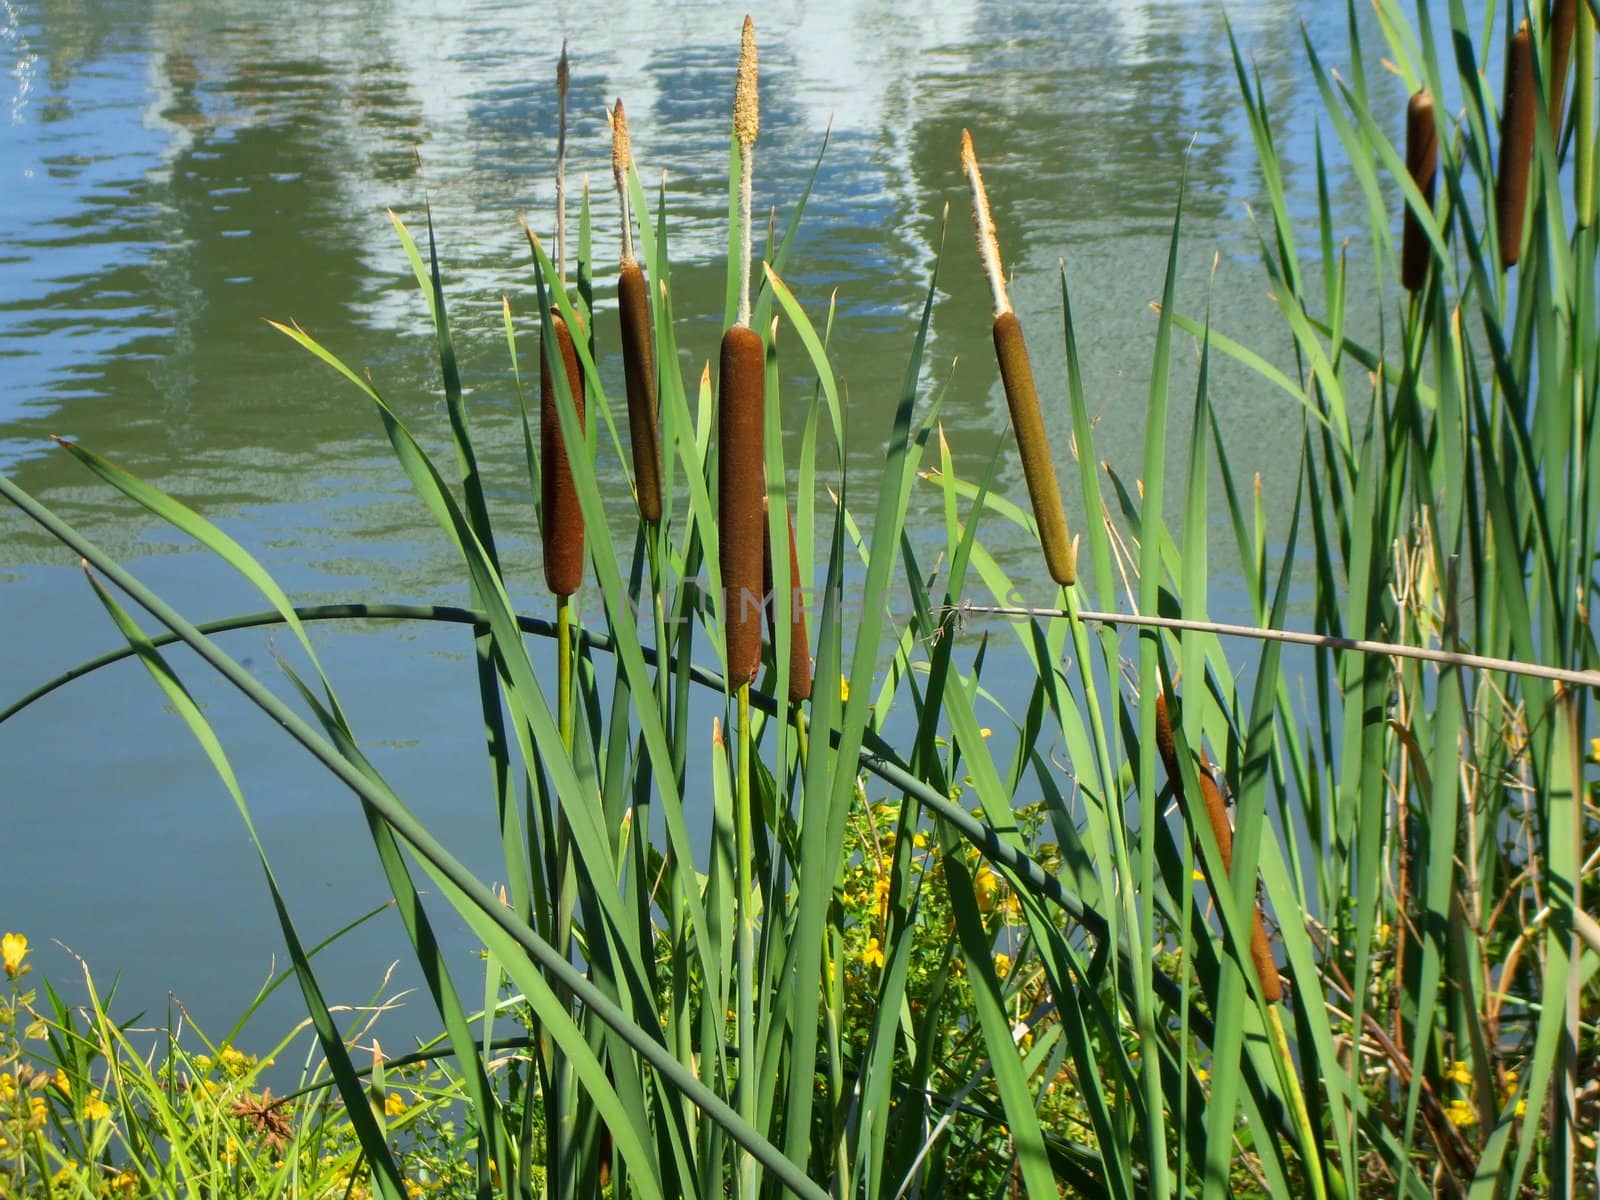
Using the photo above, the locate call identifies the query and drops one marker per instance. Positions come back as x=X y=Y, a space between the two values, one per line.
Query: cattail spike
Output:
x=1038 y=467
x=562 y=517
x=1516 y=145
x=1422 y=164
x=746 y=124
x=621 y=164
x=638 y=365
x=1563 y=24
x=988 y=239
x=746 y=102
x=799 y=640
x=1217 y=816
x=741 y=487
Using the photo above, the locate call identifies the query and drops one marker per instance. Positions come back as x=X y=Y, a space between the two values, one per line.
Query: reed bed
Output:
x=838 y=939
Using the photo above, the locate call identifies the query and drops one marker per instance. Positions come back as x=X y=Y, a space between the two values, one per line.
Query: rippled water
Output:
x=175 y=172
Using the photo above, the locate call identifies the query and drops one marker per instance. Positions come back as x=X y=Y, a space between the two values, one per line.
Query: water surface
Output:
x=176 y=172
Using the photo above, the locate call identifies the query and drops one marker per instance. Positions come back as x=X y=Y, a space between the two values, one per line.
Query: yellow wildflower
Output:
x=1459 y=1073
x=13 y=949
x=8 y=1086
x=96 y=1109
x=126 y=1183
x=394 y=1105
x=413 y=1189
x=63 y=1084
x=985 y=732
x=234 y=1062
x=1002 y=964
x=984 y=886
x=844 y=688
x=1202 y=1074
x=1594 y=750
x=1461 y=1113
x=880 y=894
x=873 y=954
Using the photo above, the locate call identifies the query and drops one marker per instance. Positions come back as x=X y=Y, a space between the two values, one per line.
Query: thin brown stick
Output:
x=1481 y=662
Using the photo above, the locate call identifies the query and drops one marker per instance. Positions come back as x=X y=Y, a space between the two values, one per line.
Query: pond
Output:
x=177 y=172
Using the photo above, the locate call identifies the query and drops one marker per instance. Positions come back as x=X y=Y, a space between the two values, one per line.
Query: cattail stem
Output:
x=563 y=81
x=1422 y=164
x=1516 y=145
x=744 y=836
x=1022 y=398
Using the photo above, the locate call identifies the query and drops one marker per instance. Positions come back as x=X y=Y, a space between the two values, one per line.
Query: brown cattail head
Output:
x=741 y=486
x=799 y=642
x=1563 y=24
x=638 y=366
x=1516 y=145
x=1217 y=817
x=563 y=519
x=1422 y=164
x=1038 y=468
x=746 y=105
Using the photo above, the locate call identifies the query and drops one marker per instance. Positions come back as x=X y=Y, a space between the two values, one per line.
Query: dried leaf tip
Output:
x=746 y=106
x=563 y=72
x=988 y=240
x=621 y=147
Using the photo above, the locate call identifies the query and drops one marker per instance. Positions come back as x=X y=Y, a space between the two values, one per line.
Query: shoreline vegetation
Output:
x=1196 y=926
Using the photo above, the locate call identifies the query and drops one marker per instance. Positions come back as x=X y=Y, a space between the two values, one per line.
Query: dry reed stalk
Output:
x=1022 y=397
x=1516 y=145
x=1422 y=164
x=1217 y=815
x=741 y=418
x=638 y=359
x=563 y=519
x=799 y=641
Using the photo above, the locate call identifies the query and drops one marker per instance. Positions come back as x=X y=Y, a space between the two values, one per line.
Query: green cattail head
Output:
x=1517 y=116
x=638 y=366
x=562 y=518
x=1016 y=375
x=1563 y=24
x=741 y=488
x=1217 y=816
x=1422 y=164
x=799 y=641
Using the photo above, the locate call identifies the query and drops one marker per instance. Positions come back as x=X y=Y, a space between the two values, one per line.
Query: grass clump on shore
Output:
x=840 y=939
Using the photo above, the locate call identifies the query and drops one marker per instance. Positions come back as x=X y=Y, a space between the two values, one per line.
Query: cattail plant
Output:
x=638 y=360
x=741 y=419
x=563 y=520
x=799 y=641
x=1016 y=376
x=1516 y=145
x=1222 y=828
x=1422 y=164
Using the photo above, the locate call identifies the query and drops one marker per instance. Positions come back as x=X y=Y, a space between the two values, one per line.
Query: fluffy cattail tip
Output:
x=746 y=105
x=621 y=147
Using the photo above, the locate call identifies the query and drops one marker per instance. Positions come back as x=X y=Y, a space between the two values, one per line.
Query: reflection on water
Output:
x=175 y=172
